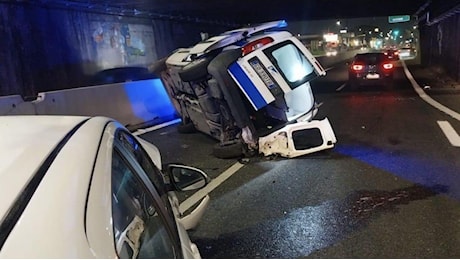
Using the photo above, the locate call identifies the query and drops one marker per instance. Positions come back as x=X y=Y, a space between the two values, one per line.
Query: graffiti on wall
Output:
x=123 y=44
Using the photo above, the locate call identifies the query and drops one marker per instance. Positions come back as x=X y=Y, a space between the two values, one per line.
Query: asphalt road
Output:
x=389 y=189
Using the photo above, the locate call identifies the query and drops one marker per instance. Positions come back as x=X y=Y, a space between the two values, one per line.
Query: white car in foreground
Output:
x=80 y=187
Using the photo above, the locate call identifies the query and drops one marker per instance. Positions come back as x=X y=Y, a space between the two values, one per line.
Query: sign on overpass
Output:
x=398 y=18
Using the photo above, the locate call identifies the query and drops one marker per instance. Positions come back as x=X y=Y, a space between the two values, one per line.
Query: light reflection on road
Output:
x=306 y=230
x=426 y=171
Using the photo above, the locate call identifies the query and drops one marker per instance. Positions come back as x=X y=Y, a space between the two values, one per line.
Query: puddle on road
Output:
x=306 y=230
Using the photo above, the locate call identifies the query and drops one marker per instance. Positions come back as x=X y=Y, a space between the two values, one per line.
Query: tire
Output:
x=187 y=128
x=228 y=151
x=197 y=70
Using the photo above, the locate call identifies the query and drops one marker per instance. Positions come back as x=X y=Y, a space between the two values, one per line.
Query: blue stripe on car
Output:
x=249 y=87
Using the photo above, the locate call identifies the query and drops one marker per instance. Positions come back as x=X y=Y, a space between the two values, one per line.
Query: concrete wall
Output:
x=131 y=103
x=15 y=105
x=45 y=48
x=440 y=36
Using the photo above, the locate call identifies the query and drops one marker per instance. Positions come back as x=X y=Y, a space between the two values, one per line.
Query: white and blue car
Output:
x=250 y=89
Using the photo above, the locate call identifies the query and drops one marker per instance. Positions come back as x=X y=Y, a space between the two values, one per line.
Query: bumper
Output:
x=363 y=79
x=286 y=142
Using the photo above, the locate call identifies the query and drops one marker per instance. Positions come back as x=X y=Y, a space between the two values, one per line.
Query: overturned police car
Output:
x=249 y=88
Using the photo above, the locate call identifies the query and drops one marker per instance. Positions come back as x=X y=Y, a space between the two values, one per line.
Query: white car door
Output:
x=143 y=224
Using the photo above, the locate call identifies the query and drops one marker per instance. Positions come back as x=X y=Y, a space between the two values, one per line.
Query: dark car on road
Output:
x=407 y=53
x=371 y=69
x=392 y=54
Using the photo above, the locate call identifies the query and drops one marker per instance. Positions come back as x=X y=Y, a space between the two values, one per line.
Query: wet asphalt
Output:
x=389 y=189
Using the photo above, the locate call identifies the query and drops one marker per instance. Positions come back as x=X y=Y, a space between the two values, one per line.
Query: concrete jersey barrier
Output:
x=133 y=103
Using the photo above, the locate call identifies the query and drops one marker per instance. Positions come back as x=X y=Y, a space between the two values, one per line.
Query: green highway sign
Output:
x=398 y=18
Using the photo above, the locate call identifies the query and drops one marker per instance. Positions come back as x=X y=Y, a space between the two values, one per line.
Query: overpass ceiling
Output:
x=248 y=11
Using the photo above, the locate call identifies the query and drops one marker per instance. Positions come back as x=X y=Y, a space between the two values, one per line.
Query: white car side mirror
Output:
x=186 y=178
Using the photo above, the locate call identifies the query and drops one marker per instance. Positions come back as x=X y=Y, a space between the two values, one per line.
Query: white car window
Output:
x=133 y=147
x=292 y=62
x=140 y=231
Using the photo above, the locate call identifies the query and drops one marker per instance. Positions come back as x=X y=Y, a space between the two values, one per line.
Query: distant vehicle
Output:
x=331 y=52
x=392 y=54
x=79 y=187
x=371 y=69
x=250 y=89
x=407 y=52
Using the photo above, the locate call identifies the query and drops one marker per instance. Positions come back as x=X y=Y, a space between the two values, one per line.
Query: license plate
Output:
x=372 y=76
x=262 y=73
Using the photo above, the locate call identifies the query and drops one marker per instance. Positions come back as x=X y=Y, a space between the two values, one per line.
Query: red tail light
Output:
x=357 y=67
x=252 y=46
x=388 y=66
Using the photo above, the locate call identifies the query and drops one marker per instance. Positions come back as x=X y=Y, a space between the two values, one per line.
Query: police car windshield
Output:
x=292 y=63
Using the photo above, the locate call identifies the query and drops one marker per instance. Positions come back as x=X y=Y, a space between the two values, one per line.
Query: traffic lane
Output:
x=389 y=146
x=336 y=80
x=449 y=98
x=421 y=229
x=294 y=208
x=452 y=101
x=448 y=105
x=396 y=130
x=210 y=245
x=335 y=77
x=193 y=149
x=343 y=56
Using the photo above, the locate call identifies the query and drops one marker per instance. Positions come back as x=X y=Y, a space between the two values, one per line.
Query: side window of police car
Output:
x=140 y=228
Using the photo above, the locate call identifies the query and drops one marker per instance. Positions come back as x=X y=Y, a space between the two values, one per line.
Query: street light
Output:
x=338 y=22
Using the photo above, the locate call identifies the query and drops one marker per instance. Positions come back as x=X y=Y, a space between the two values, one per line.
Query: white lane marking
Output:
x=450 y=133
x=328 y=69
x=341 y=87
x=197 y=196
x=427 y=98
x=156 y=127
